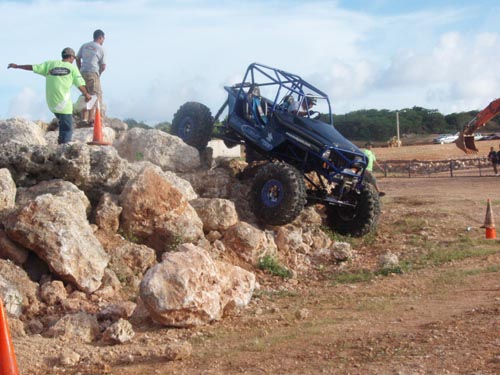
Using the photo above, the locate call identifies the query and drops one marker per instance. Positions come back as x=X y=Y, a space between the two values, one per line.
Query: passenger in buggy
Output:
x=256 y=107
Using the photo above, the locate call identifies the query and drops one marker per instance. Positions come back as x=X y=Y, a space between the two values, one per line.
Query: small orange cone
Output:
x=489 y=222
x=8 y=362
x=98 y=138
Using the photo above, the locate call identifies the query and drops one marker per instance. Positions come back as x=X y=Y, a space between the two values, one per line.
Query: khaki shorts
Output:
x=93 y=84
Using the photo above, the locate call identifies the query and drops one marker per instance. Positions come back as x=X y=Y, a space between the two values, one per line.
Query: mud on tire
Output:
x=193 y=123
x=278 y=193
x=356 y=221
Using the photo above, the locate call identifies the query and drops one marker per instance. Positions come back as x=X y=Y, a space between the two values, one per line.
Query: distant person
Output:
x=369 y=176
x=92 y=62
x=60 y=76
x=304 y=107
x=493 y=158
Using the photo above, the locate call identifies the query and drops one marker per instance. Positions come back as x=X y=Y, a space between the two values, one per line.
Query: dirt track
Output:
x=441 y=317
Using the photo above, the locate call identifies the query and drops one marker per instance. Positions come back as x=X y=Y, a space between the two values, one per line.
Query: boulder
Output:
x=157 y=214
x=107 y=214
x=79 y=327
x=249 y=243
x=12 y=251
x=57 y=187
x=7 y=190
x=216 y=214
x=189 y=289
x=183 y=290
x=57 y=230
x=21 y=131
x=17 y=291
x=119 y=332
x=165 y=150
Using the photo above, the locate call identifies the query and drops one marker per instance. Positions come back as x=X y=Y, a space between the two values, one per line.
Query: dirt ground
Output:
x=438 y=313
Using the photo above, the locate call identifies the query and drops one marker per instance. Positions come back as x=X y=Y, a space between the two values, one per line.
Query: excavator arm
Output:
x=465 y=140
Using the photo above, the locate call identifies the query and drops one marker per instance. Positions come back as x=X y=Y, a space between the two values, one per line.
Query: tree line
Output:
x=380 y=124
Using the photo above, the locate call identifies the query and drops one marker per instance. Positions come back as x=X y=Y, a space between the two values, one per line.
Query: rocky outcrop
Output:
x=165 y=150
x=21 y=131
x=93 y=169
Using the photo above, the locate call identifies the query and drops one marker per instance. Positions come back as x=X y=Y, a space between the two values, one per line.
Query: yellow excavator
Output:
x=465 y=140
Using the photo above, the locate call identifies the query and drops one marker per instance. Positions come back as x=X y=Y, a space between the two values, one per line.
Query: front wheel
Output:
x=278 y=193
x=193 y=123
x=360 y=219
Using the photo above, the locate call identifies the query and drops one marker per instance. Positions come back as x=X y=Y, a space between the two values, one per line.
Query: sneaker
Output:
x=381 y=193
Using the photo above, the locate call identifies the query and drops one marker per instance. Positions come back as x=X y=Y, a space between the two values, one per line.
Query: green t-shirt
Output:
x=370 y=155
x=60 y=76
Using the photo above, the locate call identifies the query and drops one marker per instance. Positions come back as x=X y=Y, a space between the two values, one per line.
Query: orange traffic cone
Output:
x=98 y=138
x=489 y=222
x=8 y=362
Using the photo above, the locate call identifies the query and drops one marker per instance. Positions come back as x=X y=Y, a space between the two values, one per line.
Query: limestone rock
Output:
x=80 y=327
x=165 y=150
x=216 y=214
x=107 y=216
x=58 y=232
x=157 y=213
x=183 y=290
x=21 y=131
x=248 y=242
x=189 y=289
x=119 y=332
x=7 y=190
x=11 y=250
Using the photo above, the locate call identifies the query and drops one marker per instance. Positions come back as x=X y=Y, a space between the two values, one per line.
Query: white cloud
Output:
x=161 y=54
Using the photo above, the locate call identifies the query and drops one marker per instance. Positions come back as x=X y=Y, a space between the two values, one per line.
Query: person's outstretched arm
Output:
x=24 y=67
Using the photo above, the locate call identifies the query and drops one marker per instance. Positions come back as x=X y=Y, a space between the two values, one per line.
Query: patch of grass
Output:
x=273 y=294
x=129 y=236
x=353 y=277
x=139 y=156
x=272 y=265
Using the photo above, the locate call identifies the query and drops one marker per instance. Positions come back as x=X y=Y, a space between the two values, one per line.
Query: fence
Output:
x=438 y=168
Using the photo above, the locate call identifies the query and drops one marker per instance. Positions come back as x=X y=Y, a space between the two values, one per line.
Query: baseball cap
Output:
x=68 y=52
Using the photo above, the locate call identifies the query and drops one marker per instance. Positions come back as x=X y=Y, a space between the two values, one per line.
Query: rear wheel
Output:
x=193 y=123
x=359 y=220
x=278 y=193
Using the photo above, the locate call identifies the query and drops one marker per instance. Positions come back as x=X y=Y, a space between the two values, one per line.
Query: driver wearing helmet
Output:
x=303 y=108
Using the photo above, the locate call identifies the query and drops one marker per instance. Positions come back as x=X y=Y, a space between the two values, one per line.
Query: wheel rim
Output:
x=272 y=193
x=185 y=127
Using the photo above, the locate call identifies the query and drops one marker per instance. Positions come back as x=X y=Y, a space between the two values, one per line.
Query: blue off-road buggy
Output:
x=309 y=162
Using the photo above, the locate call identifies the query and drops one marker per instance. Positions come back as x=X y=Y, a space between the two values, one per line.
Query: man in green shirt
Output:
x=369 y=176
x=60 y=76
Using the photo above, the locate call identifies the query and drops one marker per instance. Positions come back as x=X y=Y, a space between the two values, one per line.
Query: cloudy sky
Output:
x=382 y=54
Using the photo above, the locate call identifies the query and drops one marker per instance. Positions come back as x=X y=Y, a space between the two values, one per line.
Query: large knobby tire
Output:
x=193 y=123
x=278 y=193
x=356 y=221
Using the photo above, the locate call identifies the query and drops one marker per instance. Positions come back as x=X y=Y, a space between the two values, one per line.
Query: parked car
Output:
x=445 y=138
x=490 y=137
